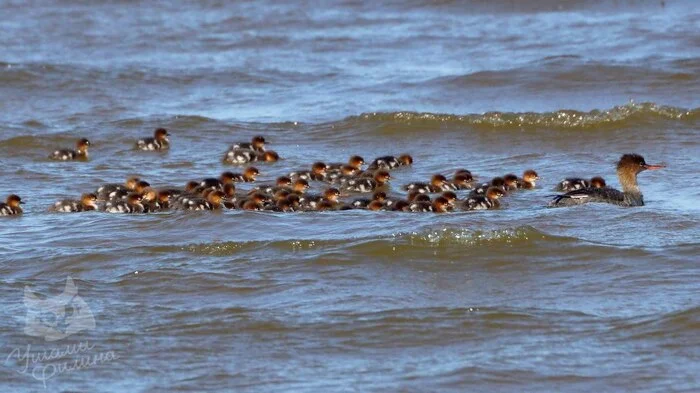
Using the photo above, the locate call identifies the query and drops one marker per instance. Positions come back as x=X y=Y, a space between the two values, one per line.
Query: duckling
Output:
x=381 y=178
x=244 y=156
x=280 y=183
x=257 y=144
x=572 y=184
x=487 y=201
x=362 y=203
x=317 y=172
x=390 y=162
x=159 y=141
x=529 y=180
x=498 y=182
x=212 y=201
x=132 y=204
x=311 y=202
x=460 y=181
x=85 y=203
x=437 y=182
x=11 y=207
x=106 y=191
x=81 y=152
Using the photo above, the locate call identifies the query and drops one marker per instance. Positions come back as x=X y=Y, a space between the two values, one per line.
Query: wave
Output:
x=623 y=115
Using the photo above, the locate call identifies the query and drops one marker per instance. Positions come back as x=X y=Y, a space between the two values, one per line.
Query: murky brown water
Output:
x=520 y=299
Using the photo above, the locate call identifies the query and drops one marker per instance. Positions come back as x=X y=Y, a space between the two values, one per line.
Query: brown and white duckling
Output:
x=529 y=180
x=484 y=202
x=139 y=188
x=497 y=182
x=362 y=203
x=107 y=191
x=362 y=184
x=317 y=172
x=311 y=201
x=248 y=176
x=451 y=198
x=390 y=162
x=281 y=183
x=218 y=183
x=346 y=172
x=462 y=180
x=212 y=201
x=244 y=156
x=85 y=203
x=437 y=183
x=354 y=162
x=573 y=183
x=11 y=207
x=159 y=141
x=132 y=204
x=256 y=144
x=80 y=153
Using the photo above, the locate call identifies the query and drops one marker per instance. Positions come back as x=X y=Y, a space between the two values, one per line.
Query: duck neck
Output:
x=628 y=181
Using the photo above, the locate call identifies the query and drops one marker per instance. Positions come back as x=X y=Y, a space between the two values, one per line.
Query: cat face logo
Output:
x=57 y=317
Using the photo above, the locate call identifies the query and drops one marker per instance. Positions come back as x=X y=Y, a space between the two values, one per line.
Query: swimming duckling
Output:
x=11 y=207
x=85 y=203
x=390 y=162
x=81 y=152
x=257 y=144
x=487 y=201
x=159 y=141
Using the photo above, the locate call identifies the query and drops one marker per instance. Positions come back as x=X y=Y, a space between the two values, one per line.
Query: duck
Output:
x=256 y=144
x=529 y=180
x=628 y=167
x=485 y=202
x=390 y=162
x=311 y=201
x=212 y=200
x=354 y=162
x=159 y=141
x=12 y=206
x=317 y=172
x=345 y=173
x=80 y=152
x=86 y=202
x=362 y=203
x=218 y=183
x=280 y=183
x=460 y=181
x=497 y=182
x=361 y=185
x=108 y=191
x=244 y=156
x=573 y=183
x=132 y=204
x=437 y=184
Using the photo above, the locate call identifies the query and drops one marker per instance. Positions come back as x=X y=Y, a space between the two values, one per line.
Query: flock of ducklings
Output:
x=345 y=186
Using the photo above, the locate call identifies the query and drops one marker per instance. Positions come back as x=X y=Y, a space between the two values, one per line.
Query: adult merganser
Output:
x=573 y=183
x=437 y=183
x=81 y=152
x=629 y=166
x=390 y=162
x=86 y=202
x=487 y=201
x=159 y=141
x=256 y=144
x=11 y=207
